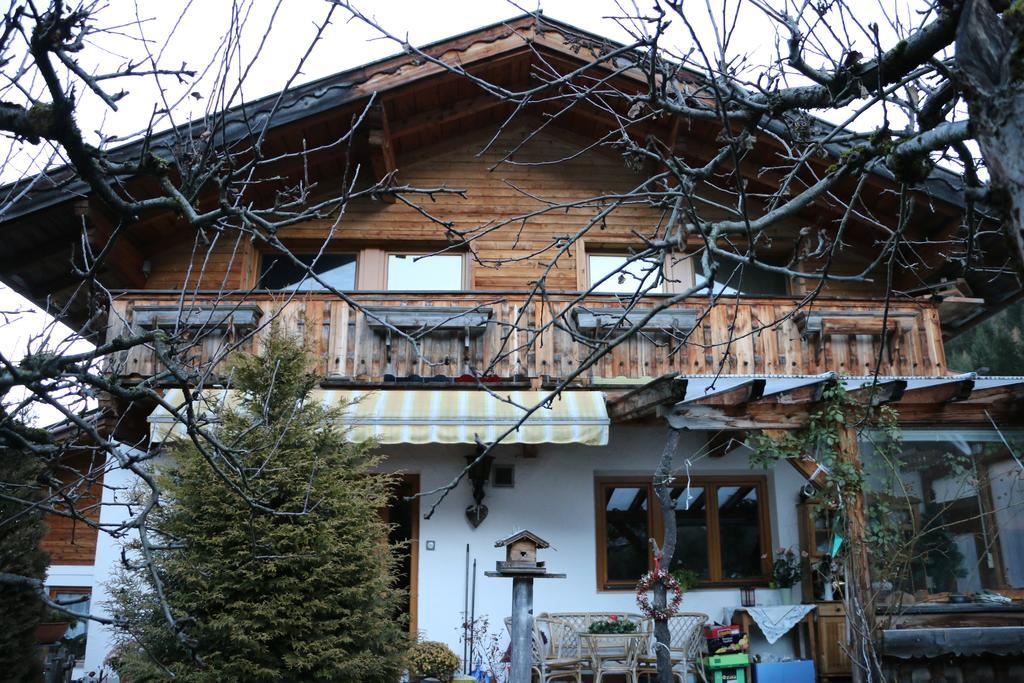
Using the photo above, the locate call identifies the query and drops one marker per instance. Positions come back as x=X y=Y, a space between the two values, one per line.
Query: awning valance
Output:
x=432 y=416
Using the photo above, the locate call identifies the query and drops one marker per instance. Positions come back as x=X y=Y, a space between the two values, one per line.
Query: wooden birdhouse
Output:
x=521 y=552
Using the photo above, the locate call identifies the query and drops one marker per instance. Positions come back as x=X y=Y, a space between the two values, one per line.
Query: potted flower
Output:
x=786 y=572
x=612 y=627
x=430 y=660
x=613 y=624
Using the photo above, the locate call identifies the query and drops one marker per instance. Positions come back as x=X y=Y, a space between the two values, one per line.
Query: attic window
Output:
x=417 y=272
x=278 y=271
x=733 y=277
x=616 y=274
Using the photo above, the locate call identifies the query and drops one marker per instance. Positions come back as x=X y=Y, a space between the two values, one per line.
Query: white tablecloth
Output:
x=774 y=621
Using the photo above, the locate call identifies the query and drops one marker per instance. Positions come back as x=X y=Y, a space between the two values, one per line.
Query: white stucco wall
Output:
x=554 y=497
x=116 y=486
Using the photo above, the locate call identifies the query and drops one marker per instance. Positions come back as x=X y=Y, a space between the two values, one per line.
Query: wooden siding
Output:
x=70 y=541
x=495 y=192
x=521 y=341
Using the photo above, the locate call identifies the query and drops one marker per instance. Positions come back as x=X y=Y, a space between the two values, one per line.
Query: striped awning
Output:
x=431 y=416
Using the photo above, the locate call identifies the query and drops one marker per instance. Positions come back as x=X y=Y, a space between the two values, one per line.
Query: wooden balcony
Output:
x=508 y=337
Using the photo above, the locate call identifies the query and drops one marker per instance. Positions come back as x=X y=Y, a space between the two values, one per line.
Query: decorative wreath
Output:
x=647 y=582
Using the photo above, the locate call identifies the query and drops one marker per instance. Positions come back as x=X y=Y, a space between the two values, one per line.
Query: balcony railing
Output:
x=512 y=338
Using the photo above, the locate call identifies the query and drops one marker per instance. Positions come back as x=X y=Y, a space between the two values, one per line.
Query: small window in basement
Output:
x=418 y=272
x=278 y=271
x=616 y=274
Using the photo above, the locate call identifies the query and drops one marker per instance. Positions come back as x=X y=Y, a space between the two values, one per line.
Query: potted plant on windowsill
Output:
x=687 y=578
x=786 y=574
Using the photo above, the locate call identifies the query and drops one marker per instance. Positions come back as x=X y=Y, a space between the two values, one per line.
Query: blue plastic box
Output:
x=799 y=671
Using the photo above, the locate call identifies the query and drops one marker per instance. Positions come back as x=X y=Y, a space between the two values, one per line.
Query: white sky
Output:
x=192 y=32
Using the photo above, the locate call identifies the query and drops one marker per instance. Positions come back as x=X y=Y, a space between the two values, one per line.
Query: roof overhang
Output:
x=740 y=402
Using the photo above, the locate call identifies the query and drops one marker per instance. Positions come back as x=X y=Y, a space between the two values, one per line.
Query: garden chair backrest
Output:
x=686 y=633
x=536 y=641
x=563 y=642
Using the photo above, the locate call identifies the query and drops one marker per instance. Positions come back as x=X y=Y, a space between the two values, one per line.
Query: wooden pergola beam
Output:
x=874 y=395
x=644 y=401
x=745 y=392
x=805 y=393
x=944 y=392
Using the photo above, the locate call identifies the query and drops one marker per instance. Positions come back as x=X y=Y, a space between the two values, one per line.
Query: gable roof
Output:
x=516 y=38
x=378 y=77
x=520 y=535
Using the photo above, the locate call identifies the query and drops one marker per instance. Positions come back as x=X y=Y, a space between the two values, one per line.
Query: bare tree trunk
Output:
x=860 y=612
x=663 y=489
x=988 y=51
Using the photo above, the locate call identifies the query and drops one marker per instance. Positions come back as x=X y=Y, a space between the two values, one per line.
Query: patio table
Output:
x=614 y=653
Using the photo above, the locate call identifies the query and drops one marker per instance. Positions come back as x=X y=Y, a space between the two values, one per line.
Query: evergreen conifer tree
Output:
x=306 y=594
x=21 y=530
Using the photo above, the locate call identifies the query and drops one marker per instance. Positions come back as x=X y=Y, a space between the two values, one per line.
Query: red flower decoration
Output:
x=645 y=585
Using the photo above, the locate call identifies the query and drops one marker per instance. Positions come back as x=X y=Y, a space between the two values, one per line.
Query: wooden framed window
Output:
x=617 y=274
x=594 y=262
x=280 y=272
x=722 y=525
x=365 y=268
x=76 y=599
x=410 y=272
x=733 y=277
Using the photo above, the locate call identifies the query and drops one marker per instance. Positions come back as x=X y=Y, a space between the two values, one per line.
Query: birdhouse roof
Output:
x=541 y=543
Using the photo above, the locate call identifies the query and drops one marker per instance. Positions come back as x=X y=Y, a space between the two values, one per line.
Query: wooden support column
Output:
x=860 y=609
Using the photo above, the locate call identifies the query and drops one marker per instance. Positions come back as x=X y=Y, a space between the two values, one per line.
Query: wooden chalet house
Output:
x=578 y=473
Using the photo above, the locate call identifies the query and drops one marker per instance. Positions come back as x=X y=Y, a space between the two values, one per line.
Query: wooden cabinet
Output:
x=816 y=535
x=831 y=634
x=831 y=640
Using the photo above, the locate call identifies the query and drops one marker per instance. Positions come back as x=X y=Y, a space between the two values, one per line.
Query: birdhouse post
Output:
x=522 y=566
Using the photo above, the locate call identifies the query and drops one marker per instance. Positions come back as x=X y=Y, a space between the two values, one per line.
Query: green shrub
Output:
x=431 y=659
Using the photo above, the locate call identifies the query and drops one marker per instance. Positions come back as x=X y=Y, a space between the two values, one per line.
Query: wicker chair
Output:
x=686 y=646
x=561 y=658
x=536 y=656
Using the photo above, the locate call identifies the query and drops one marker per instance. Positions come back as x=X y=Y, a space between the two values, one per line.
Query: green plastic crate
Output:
x=728 y=668
x=730 y=661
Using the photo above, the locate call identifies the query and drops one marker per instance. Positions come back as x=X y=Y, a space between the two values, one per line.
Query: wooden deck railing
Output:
x=504 y=335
